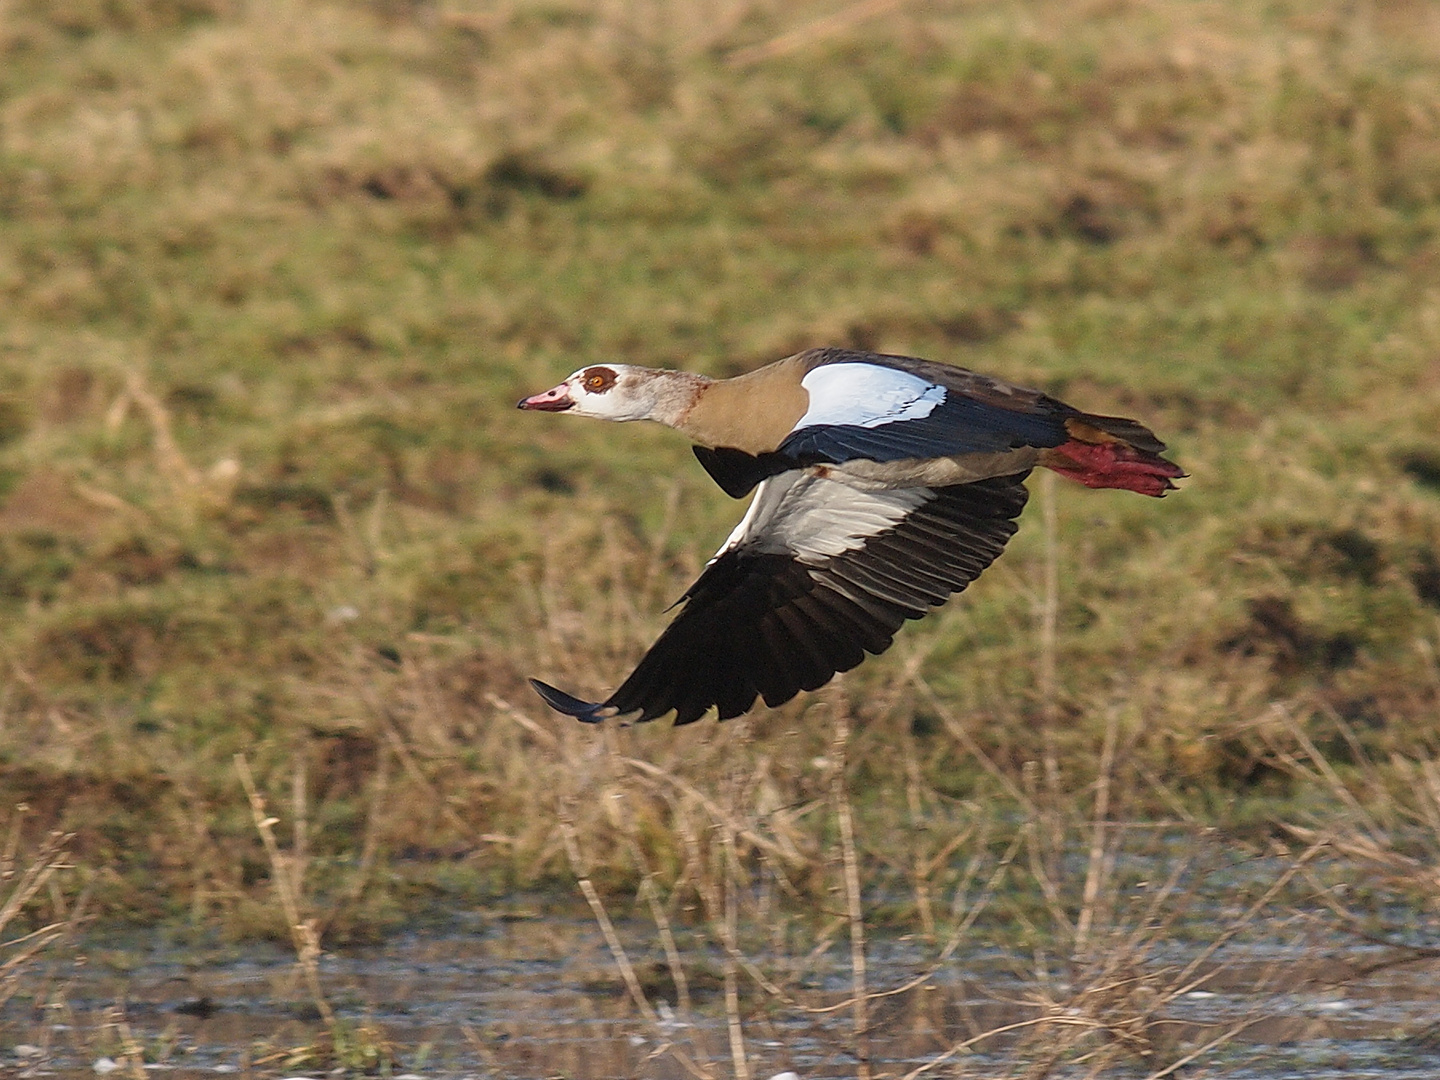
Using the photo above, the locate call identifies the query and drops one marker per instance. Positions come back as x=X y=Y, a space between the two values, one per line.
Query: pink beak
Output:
x=556 y=399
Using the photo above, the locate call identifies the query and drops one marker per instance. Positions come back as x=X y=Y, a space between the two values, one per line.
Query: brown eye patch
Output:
x=598 y=379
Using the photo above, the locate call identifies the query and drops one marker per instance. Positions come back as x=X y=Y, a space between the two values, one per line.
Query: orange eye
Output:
x=598 y=379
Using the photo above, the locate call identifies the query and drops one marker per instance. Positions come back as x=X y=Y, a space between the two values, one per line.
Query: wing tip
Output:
x=587 y=712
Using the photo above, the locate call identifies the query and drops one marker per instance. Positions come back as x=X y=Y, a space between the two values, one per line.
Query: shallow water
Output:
x=542 y=998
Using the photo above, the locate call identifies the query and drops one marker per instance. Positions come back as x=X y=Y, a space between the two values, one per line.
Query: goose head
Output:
x=618 y=392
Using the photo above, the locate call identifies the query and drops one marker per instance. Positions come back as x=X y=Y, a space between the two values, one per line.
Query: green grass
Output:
x=272 y=277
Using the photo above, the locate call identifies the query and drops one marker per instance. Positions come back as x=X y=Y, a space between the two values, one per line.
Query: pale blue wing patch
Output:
x=867 y=395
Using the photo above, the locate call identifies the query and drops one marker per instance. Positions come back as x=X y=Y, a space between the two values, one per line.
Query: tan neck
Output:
x=751 y=412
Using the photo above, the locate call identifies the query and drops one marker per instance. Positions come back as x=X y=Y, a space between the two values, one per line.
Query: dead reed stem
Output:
x=959 y=733
x=48 y=860
x=1338 y=787
x=602 y=917
x=385 y=720
x=1096 y=865
x=50 y=857
x=132 y=1053
x=649 y=890
x=1004 y=1029
x=650 y=893
x=854 y=910
x=1204 y=1048
x=1042 y=853
x=287 y=875
x=738 y=1058
x=1049 y=617
x=1047 y=677
x=1188 y=979
x=975 y=910
x=921 y=867
x=370 y=842
x=718 y=813
x=617 y=949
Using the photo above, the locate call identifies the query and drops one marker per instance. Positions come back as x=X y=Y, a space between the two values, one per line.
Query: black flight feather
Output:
x=767 y=625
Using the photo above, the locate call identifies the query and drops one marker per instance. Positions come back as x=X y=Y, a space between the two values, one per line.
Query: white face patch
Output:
x=611 y=392
x=867 y=395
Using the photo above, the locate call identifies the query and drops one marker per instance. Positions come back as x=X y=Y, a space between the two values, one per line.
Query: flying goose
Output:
x=882 y=485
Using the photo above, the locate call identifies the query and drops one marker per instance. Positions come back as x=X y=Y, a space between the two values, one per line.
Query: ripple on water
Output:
x=542 y=998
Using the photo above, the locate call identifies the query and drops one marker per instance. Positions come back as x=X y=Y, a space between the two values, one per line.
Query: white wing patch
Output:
x=867 y=395
x=813 y=519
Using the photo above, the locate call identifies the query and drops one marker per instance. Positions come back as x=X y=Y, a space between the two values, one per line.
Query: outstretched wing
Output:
x=817 y=574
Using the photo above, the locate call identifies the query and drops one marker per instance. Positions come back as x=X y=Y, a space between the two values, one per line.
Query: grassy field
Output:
x=272 y=276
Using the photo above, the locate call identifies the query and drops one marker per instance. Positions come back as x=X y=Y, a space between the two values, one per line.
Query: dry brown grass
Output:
x=26 y=873
x=273 y=275
x=1097 y=980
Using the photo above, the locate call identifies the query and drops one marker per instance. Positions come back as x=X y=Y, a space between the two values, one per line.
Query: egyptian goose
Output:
x=886 y=483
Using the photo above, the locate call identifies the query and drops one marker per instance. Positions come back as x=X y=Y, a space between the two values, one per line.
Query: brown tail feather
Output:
x=1088 y=427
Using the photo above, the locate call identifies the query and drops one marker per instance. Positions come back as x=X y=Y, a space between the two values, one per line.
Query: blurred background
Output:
x=272 y=276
